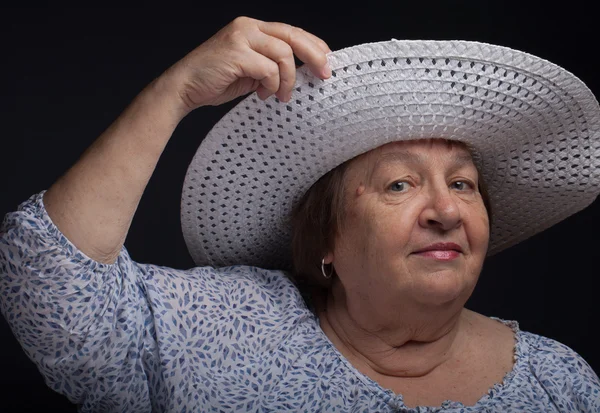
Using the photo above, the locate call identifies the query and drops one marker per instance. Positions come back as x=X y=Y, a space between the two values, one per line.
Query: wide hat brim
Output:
x=532 y=126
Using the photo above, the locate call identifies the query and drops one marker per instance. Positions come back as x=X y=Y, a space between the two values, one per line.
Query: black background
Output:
x=67 y=73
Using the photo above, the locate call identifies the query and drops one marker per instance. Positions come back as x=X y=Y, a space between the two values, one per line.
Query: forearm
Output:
x=94 y=202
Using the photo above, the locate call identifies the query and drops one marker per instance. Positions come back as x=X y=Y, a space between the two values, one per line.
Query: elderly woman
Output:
x=339 y=218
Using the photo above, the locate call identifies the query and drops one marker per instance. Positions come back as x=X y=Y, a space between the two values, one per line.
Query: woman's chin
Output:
x=442 y=287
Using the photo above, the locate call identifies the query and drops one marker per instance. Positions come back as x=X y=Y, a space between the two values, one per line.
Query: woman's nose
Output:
x=441 y=210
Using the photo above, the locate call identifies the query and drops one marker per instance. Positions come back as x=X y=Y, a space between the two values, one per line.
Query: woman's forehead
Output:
x=416 y=151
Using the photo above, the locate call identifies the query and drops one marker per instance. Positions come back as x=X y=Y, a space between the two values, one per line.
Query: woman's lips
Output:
x=442 y=255
x=443 y=251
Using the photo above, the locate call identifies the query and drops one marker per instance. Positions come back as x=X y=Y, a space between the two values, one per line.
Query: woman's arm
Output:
x=94 y=202
x=91 y=318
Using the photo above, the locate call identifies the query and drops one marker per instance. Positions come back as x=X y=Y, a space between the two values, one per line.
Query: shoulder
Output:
x=233 y=312
x=551 y=358
x=244 y=292
x=221 y=282
x=563 y=373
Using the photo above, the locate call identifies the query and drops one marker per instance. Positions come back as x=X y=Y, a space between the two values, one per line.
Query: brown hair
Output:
x=317 y=218
x=315 y=223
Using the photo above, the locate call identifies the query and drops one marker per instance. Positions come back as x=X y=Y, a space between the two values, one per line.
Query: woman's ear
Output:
x=328 y=258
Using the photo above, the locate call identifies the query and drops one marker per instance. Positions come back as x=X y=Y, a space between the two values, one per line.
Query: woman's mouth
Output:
x=443 y=251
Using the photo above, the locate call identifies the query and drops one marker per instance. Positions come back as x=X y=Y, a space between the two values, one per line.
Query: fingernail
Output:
x=326 y=70
x=263 y=95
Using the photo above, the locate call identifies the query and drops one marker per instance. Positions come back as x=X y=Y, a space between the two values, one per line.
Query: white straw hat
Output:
x=533 y=127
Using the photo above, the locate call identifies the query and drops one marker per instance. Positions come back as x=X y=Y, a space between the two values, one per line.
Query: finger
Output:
x=302 y=45
x=281 y=53
x=259 y=67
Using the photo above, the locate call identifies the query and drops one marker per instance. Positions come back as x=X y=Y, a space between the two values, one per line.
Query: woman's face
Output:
x=415 y=226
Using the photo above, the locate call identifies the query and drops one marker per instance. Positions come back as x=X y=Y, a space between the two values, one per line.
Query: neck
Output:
x=402 y=342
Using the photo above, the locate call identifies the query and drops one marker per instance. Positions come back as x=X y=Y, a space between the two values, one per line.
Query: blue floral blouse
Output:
x=131 y=337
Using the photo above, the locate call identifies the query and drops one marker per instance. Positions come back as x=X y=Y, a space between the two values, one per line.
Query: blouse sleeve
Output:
x=567 y=378
x=80 y=321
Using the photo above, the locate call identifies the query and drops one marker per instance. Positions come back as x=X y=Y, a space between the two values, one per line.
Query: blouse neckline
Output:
x=396 y=400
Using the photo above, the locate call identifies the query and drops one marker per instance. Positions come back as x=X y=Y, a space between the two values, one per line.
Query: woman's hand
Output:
x=244 y=56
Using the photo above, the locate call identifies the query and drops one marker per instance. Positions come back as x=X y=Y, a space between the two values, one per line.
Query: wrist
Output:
x=164 y=91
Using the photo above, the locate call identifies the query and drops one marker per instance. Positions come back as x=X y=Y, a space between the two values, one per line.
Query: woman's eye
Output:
x=399 y=186
x=461 y=185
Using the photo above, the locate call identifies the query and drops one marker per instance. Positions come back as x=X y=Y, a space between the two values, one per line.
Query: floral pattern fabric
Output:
x=132 y=337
